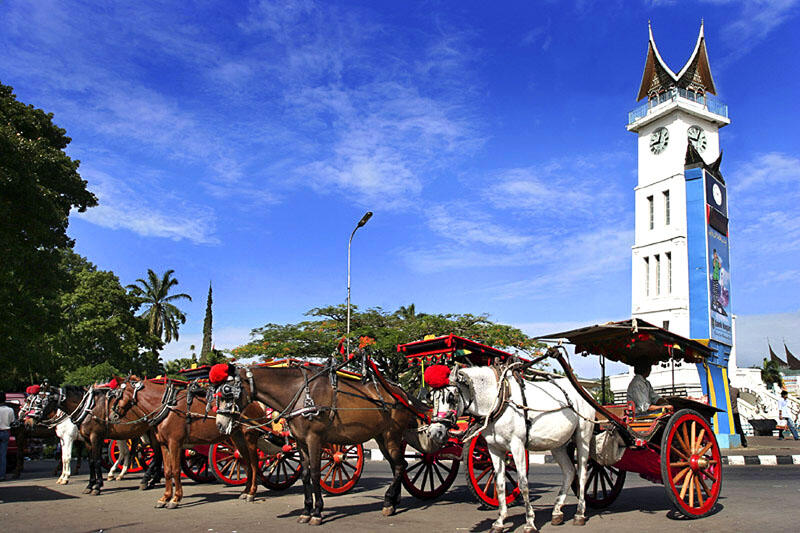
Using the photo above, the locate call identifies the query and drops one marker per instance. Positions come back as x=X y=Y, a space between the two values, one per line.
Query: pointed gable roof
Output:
x=775 y=358
x=794 y=363
x=658 y=76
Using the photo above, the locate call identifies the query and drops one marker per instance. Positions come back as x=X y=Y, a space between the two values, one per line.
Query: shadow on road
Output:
x=31 y=493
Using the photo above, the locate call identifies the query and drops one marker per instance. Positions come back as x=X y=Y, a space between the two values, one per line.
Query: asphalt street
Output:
x=753 y=498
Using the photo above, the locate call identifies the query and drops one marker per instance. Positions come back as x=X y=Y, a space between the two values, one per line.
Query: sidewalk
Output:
x=764 y=451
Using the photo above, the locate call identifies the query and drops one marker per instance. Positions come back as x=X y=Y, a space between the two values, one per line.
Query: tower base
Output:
x=729 y=441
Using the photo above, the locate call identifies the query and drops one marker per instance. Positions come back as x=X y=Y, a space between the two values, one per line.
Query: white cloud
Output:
x=765 y=170
x=448 y=221
x=121 y=207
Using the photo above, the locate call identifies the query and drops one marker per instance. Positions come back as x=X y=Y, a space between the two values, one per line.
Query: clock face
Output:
x=716 y=192
x=698 y=138
x=659 y=140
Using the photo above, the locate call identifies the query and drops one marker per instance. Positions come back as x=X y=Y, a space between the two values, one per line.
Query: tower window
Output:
x=657 y=266
x=650 y=210
x=665 y=325
x=647 y=276
x=668 y=256
x=666 y=207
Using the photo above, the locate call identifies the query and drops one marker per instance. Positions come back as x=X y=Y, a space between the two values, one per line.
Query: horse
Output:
x=42 y=415
x=517 y=414
x=180 y=418
x=320 y=409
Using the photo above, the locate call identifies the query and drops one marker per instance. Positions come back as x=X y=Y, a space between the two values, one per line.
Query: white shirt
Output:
x=6 y=417
x=641 y=393
x=783 y=411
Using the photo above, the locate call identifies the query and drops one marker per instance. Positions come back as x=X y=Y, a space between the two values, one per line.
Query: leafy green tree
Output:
x=207 y=323
x=771 y=373
x=89 y=374
x=162 y=316
x=39 y=186
x=100 y=323
x=319 y=337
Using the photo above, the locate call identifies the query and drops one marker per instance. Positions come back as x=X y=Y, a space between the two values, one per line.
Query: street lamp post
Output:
x=361 y=222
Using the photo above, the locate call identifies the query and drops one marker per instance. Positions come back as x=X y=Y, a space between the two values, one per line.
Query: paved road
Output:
x=753 y=498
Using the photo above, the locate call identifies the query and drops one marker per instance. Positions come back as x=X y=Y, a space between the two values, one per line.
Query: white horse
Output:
x=67 y=433
x=556 y=415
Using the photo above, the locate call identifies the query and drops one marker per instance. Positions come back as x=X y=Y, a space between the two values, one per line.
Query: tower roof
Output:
x=695 y=74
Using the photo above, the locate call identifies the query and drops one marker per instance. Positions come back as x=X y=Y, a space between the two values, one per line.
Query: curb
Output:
x=732 y=460
x=760 y=460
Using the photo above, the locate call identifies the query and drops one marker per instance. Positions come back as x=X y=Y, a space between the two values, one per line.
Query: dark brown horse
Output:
x=184 y=421
x=318 y=414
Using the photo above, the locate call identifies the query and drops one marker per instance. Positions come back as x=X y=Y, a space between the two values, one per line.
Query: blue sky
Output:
x=239 y=142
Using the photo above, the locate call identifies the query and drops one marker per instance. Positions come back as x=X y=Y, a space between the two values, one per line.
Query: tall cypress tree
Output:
x=205 y=351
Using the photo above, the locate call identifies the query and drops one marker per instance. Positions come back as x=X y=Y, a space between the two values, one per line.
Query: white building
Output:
x=679 y=109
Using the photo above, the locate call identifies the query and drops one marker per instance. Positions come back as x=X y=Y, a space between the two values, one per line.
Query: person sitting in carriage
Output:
x=641 y=392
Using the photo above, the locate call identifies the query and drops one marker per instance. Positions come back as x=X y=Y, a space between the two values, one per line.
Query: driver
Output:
x=640 y=391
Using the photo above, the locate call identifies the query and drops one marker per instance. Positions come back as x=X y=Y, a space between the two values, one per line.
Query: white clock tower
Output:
x=680 y=109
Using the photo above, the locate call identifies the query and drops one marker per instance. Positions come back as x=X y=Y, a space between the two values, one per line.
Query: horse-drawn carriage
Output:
x=672 y=444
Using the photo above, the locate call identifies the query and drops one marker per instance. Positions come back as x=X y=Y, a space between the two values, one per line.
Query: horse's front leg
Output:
x=246 y=444
x=314 y=460
x=308 y=495
x=97 y=448
x=585 y=431
x=167 y=459
x=66 y=458
x=175 y=450
x=90 y=455
x=498 y=456
x=393 y=452
x=518 y=453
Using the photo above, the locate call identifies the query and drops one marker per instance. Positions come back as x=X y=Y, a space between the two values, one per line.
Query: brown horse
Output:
x=317 y=413
x=184 y=422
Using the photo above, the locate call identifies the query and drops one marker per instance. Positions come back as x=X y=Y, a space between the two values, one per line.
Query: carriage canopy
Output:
x=632 y=341
x=443 y=349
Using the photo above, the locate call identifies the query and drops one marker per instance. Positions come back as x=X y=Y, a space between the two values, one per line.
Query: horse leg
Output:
x=175 y=449
x=56 y=469
x=308 y=495
x=79 y=448
x=314 y=459
x=518 y=452
x=567 y=474
x=393 y=452
x=248 y=443
x=153 y=473
x=66 y=457
x=127 y=459
x=498 y=462
x=97 y=451
x=167 y=478
x=584 y=432
x=89 y=450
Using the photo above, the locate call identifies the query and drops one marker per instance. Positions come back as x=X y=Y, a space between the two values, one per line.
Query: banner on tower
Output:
x=719 y=287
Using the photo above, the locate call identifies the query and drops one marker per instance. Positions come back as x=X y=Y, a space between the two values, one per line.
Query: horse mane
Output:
x=74 y=390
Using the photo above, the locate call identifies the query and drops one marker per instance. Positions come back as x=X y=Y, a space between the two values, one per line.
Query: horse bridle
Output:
x=450 y=417
x=117 y=394
x=231 y=391
x=44 y=403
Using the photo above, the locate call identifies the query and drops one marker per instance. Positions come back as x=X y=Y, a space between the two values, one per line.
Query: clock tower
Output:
x=679 y=109
x=681 y=269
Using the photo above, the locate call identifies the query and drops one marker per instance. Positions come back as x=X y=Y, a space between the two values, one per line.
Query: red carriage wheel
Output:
x=691 y=464
x=227 y=464
x=429 y=475
x=603 y=484
x=480 y=473
x=194 y=464
x=281 y=470
x=113 y=456
x=341 y=467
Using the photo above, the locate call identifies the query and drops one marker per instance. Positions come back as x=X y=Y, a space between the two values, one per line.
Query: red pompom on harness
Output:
x=437 y=376
x=218 y=373
x=33 y=389
x=113 y=384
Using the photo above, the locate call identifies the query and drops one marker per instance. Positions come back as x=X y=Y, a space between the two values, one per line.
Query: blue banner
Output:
x=719 y=287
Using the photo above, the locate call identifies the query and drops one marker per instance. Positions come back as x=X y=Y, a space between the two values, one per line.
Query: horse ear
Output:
x=455 y=376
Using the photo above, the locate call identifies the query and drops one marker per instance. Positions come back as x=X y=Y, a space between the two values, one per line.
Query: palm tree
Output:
x=771 y=373
x=162 y=316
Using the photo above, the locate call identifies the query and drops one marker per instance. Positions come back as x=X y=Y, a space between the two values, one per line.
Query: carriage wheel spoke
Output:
x=594 y=488
x=603 y=485
x=680 y=463
x=686 y=482
x=686 y=440
x=486 y=471
x=699 y=495
x=680 y=445
x=420 y=471
x=438 y=473
x=349 y=464
x=705 y=448
x=691 y=492
x=703 y=484
x=415 y=465
x=707 y=474
x=694 y=435
x=680 y=475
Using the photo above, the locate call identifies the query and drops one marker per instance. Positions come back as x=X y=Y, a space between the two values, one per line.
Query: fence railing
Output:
x=712 y=104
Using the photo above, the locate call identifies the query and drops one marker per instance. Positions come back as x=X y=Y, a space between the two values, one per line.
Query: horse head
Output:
x=228 y=397
x=451 y=396
x=122 y=398
x=41 y=403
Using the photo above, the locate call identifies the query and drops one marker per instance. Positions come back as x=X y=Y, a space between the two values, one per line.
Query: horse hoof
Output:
x=579 y=521
x=303 y=519
x=496 y=529
x=388 y=511
x=171 y=505
x=142 y=486
x=529 y=529
x=557 y=520
x=87 y=491
x=120 y=478
x=242 y=496
x=95 y=492
x=160 y=504
x=315 y=521
x=250 y=498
